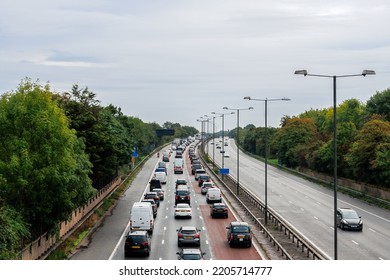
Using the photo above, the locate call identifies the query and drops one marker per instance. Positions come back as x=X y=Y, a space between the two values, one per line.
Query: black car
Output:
x=203 y=178
x=137 y=242
x=182 y=196
x=181 y=182
x=188 y=235
x=190 y=254
x=154 y=184
x=219 y=210
x=194 y=167
x=347 y=218
x=239 y=233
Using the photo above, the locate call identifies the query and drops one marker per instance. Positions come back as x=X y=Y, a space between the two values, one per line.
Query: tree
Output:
x=12 y=230
x=44 y=169
x=368 y=158
x=295 y=141
x=379 y=104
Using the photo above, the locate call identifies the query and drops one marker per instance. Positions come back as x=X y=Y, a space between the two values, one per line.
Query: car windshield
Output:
x=350 y=215
x=240 y=229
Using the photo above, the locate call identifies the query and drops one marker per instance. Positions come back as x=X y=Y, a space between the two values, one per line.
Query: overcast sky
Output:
x=178 y=60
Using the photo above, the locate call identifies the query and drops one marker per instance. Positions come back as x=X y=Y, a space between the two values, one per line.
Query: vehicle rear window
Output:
x=160 y=170
x=187 y=231
x=135 y=238
x=182 y=192
x=240 y=229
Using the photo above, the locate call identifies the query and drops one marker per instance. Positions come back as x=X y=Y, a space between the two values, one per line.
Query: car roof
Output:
x=191 y=251
x=219 y=204
x=238 y=223
x=138 y=232
x=188 y=228
x=183 y=205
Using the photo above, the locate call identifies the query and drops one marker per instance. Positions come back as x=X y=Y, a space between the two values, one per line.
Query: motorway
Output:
x=309 y=208
x=107 y=242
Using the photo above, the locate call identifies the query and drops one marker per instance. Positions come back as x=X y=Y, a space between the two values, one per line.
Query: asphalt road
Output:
x=107 y=242
x=309 y=208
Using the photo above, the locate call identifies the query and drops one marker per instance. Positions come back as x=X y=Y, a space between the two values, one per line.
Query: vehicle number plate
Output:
x=135 y=247
x=188 y=237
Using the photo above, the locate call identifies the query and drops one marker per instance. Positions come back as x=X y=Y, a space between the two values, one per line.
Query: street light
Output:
x=334 y=77
x=266 y=150
x=213 y=137
x=238 y=143
x=223 y=135
x=207 y=131
x=201 y=131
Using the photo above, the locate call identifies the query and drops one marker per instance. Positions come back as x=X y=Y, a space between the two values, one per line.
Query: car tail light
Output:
x=145 y=243
x=151 y=222
x=197 y=235
x=225 y=209
x=231 y=237
x=180 y=235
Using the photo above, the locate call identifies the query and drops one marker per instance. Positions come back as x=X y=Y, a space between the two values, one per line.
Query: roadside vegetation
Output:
x=57 y=150
x=306 y=140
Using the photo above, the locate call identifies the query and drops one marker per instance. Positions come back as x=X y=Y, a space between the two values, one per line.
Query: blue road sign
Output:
x=134 y=154
x=224 y=171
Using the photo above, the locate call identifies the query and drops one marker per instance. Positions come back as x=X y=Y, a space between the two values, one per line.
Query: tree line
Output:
x=306 y=140
x=56 y=151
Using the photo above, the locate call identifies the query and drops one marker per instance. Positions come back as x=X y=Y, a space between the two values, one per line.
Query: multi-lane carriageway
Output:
x=107 y=242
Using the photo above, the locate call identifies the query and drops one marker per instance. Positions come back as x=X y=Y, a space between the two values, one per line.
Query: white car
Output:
x=183 y=210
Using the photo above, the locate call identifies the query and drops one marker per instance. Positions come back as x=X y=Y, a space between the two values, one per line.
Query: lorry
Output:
x=141 y=217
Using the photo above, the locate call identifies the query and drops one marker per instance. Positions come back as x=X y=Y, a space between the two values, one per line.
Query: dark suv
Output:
x=182 y=196
x=137 y=242
x=239 y=233
x=347 y=218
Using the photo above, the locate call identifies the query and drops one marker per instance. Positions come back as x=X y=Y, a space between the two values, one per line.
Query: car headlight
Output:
x=360 y=222
x=344 y=221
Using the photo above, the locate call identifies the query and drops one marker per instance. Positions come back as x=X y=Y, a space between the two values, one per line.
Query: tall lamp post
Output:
x=201 y=131
x=266 y=151
x=334 y=77
x=213 y=137
x=223 y=135
x=207 y=132
x=238 y=143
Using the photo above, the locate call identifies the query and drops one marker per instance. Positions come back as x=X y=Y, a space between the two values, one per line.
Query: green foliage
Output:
x=379 y=104
x=368 y=158
x=12 y=230
x=295 y=140
x=44 y=170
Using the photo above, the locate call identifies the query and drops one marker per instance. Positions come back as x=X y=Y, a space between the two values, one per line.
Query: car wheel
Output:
x=250 y=244
x=226 y=216
x=341 y=226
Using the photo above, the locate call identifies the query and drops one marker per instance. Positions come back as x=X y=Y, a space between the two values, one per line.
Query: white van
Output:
x=141 y=217
x=178 y=166
x=160 y=174
x=213 y=195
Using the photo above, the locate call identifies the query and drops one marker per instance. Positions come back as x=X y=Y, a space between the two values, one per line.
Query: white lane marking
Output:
x=355 y=242
x=290 y=202
x=119 y=241
x=319 y=203
x=315 y=217
x=372 y=229
x=207 y=242
x=162 y=241
x=302 y=209
x=165 y=228
x=166 y=217
x=200 y=217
